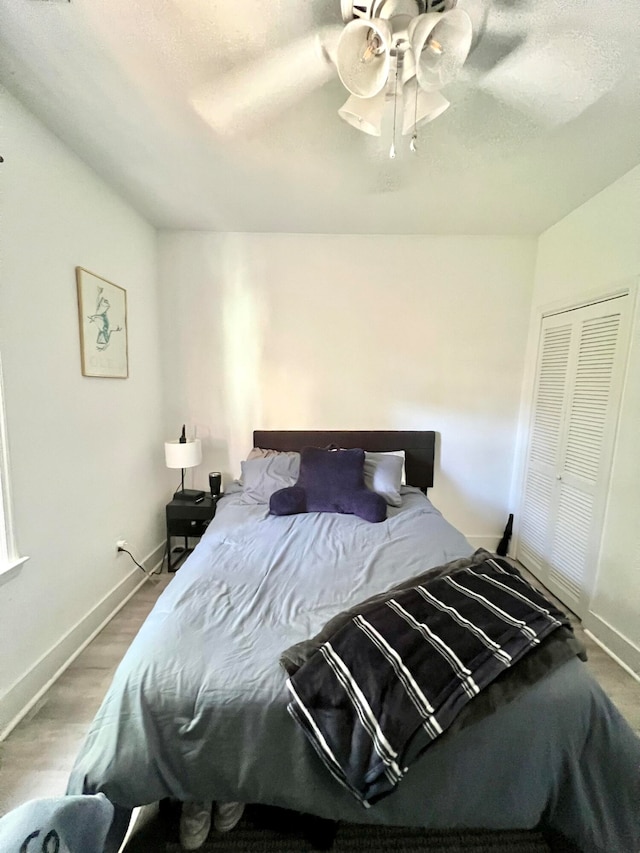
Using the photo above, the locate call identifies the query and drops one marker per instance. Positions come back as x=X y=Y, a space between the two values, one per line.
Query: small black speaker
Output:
x=215 y=483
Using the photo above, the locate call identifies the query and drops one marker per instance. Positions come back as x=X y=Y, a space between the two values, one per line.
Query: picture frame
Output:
x=102 y=316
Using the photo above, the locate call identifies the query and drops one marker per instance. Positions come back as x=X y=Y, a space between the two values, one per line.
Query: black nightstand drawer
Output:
x=186 y=526
x=187 y=519
x=206 y=509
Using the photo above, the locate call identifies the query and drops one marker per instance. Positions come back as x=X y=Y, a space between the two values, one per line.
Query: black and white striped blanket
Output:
x=391 y=681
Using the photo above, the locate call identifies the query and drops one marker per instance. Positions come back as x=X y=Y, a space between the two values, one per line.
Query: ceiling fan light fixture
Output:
x=440 y=42
x=420 y=107
x=363 y=56
x=359 y=9
x=365 y=114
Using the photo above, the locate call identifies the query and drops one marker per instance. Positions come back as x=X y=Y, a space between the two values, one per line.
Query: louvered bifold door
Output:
x=550 y=394
x=593 y=399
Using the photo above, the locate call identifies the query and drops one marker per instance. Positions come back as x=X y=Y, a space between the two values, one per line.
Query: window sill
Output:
x=11 y=569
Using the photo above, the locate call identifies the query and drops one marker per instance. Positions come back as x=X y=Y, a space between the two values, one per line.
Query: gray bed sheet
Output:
x=197 y=708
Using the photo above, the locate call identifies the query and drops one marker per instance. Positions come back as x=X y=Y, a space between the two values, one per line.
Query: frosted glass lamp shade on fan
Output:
x=363 y=56
x=184 y=454
x=440 y=43
x=420 y=107
x=364 y=114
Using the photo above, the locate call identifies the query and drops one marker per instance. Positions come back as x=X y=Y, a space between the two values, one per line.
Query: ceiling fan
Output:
x=397 y=55
x=399 y=50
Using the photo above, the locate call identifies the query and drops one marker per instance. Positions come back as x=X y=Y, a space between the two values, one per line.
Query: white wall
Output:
x=354 y=332
x=593 y=249
x=86 y=458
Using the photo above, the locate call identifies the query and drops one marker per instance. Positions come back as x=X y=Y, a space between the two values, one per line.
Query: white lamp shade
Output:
x=183 y=455
x=364 y=114
x=429 y=105
x=363 y=56
x=440 y=42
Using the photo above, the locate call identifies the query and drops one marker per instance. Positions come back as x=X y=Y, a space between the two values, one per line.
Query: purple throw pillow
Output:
x=330 y=481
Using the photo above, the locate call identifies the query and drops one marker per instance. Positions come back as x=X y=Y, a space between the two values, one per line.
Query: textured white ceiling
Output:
x=113 y=78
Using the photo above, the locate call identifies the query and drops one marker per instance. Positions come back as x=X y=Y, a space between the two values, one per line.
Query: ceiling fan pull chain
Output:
x=392 y=150
x=414 y=136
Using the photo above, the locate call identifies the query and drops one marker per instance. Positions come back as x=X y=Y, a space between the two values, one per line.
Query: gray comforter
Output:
x=198 y=707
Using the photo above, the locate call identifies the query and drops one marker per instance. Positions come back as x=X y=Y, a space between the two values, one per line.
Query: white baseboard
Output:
x=615 y=644
x=25 y=693
x=487 y=542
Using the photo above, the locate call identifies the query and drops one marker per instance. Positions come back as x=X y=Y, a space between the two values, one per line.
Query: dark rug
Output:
x=270 y=830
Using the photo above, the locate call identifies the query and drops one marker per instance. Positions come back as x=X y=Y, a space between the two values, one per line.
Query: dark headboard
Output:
x=419 y=447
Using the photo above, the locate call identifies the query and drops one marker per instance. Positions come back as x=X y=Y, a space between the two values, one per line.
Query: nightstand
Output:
x=187 y=519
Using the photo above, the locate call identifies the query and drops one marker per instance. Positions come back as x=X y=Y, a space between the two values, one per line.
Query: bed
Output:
x=197 y=709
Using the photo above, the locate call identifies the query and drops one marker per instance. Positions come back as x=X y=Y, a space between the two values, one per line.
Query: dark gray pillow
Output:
x=330 y=481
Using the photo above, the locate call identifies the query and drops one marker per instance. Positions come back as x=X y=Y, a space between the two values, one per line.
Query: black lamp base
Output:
x=188 y=495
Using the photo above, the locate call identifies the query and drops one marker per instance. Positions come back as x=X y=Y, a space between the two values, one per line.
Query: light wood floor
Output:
x=36 y=758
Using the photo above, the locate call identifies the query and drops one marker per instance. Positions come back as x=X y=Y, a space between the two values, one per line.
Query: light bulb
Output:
x=392 y=151
x=374 y=47
x=435 y=47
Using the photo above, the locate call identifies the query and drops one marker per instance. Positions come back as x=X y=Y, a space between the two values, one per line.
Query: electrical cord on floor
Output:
x=140 y=566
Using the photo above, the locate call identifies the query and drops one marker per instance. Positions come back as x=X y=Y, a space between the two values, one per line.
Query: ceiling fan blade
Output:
x=492 y=49
x=555 y=79
x=498 y=29
x=246 y=97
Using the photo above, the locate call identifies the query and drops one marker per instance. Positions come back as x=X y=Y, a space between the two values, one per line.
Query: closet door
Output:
x=549 y=402
x=576 y=402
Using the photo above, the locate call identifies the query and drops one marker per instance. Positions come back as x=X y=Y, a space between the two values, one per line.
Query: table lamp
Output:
x=184 y=453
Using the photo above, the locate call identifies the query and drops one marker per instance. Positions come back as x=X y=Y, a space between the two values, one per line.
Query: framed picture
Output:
x=102 y=312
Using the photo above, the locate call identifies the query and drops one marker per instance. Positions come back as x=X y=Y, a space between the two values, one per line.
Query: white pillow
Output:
x=383 y=473
x=263 y=476
x=401 y=454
